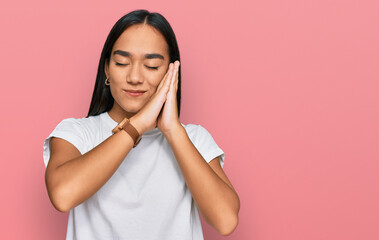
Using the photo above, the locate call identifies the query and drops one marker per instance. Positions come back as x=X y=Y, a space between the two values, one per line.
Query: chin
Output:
x=132 y=109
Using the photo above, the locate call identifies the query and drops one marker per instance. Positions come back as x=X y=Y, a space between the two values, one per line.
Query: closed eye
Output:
x=120 y=64
x=155 y=68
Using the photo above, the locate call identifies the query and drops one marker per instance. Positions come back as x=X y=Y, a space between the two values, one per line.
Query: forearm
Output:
x=217 y=201
x=76 y=180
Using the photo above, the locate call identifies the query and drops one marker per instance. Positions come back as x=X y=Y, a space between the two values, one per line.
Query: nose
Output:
x=134 y=76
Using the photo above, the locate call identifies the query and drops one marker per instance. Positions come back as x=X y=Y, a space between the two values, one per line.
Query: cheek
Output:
x=156 y=79
x=114 y=93
x=116 y=74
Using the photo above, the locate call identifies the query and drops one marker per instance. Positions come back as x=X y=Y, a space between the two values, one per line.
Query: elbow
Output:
x=228 y=225
x=61 y=207
x=228 y=222
x=58 y=196
x=59 y=201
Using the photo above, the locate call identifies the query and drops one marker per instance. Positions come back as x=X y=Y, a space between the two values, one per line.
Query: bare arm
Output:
x=212 y=191
x=72 y=178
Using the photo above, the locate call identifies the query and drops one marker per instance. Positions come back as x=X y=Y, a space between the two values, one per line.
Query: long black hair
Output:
x=102 y=99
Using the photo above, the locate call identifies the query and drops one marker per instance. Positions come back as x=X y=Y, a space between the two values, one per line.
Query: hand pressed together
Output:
x=161 y=110
x=168 y=120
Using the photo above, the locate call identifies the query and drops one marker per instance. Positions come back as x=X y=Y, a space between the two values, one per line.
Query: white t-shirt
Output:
x=147 y=197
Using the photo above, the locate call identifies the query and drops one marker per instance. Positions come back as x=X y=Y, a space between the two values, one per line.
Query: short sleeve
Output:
x=207 y=146
x=68 y=129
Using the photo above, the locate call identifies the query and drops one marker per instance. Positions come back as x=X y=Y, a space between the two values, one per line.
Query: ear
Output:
x=106 y=67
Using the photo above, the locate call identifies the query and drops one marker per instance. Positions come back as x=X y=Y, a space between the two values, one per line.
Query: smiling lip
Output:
x=134 y=93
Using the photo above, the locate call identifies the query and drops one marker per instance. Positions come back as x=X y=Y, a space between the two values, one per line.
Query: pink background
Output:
x=288 y=89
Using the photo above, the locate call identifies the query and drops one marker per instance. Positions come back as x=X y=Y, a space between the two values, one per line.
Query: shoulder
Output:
x=82 y=129
x=204 y=143
x=82 y=123
x=83 y=133
x=196 y=132
x=83 y=120
x=192 y=129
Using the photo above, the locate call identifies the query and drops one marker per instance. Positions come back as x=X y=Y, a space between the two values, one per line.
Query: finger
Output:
x=167 y=83
x=177 y=77
x=174 y=76
x=164 y=78
x=158 y=95
x=162 y=93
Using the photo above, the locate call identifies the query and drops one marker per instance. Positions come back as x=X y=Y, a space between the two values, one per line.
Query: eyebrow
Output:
x=122 y=53
x=148 y=55
x=153 y=55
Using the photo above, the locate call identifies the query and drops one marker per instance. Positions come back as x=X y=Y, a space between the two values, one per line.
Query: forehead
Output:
x=141 y=39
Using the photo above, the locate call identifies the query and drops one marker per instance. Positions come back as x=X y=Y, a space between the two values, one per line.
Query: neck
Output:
x=119 y=114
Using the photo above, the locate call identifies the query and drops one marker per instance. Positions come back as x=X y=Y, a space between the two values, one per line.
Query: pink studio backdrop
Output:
x=288 y=89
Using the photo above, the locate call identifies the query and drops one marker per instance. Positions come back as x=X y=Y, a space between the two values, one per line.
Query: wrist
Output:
x=127 y=126
x=137 y=125
x=174 y=131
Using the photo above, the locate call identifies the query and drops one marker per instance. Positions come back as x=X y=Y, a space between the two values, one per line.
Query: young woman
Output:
x=130 y=169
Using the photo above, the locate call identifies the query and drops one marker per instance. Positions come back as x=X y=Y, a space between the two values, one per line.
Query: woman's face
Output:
x=138 y=62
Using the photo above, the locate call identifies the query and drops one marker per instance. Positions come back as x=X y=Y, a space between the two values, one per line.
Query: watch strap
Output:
x=130 y=129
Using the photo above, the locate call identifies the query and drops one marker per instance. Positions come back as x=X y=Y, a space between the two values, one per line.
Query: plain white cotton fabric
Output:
x=147 y=197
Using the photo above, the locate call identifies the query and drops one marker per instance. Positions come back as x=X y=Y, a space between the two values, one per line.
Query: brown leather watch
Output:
x=130 y=129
